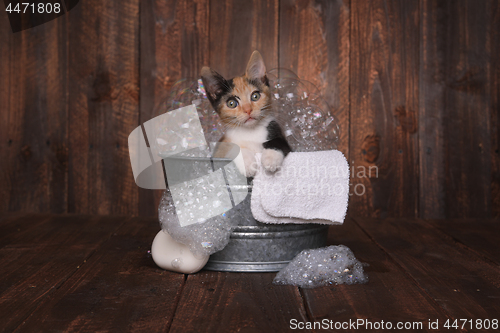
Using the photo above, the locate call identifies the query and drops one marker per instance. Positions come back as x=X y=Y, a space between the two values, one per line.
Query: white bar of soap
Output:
x=173 y=256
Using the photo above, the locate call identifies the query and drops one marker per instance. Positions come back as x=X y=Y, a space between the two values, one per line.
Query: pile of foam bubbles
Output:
x=202 y=238
x=322 y=267
x=308 y=124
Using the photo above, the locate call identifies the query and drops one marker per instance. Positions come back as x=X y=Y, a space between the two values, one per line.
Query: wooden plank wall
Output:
x=33 y=118
x=414 y=85
x=103 y=106
x=384 y=106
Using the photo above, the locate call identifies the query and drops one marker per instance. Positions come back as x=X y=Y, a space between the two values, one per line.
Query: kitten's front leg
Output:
x=272 y=159
x=249 y=167
x=275 y=149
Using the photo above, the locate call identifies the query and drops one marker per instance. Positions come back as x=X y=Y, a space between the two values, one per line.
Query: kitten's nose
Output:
x=247 y=110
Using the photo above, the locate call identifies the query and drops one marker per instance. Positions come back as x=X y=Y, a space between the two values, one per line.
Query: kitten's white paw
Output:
x=272 y=159
x=250 y=163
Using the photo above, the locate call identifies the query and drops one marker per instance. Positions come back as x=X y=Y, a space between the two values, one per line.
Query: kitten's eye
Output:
x=255 y=96
x=231 y=103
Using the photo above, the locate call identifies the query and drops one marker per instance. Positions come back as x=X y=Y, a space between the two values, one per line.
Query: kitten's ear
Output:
x=256 y=68
x=215 y=85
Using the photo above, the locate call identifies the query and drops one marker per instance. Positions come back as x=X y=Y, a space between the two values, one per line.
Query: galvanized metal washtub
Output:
x=255 y=246
x=260 y=247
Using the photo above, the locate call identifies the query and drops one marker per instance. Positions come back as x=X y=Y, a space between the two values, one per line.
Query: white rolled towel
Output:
x=310 y=187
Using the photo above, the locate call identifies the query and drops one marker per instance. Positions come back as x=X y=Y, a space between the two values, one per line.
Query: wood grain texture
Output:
x=174 y=45
x=16 y=227
x=451 y=275
x=40 y=261
x=5 y=151
x=103 y=106
x=456 y=108
x=432 y=195
x=237 y=28
x=236 y=302
x=119 y=288
x=7 y=216
x=384 y=107
x=314 y=43
x=468 y=109
x=389 y=295
x=480 y=235
x=494 y=79
x=33 y=118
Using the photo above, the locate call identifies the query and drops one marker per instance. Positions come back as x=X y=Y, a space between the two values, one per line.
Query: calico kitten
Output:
x=244 y=105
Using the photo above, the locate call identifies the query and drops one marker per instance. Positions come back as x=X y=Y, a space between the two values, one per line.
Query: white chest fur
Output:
x=250 y=138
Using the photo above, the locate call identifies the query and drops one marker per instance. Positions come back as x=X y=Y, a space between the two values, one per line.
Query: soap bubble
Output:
x=280 y=73
x=322 y=267
x=177 y=262
x=290 y=91
x=202 y=238
x=183 y=93
x=307 y=121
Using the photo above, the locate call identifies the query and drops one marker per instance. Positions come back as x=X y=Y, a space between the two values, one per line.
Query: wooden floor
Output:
x=93 y=273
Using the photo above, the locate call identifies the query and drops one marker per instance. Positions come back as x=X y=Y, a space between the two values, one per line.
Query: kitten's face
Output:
x=242 y=101
x=245 y=104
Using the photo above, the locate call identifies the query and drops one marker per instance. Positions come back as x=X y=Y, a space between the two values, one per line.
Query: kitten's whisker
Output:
x=232 y=122
x=267 y=107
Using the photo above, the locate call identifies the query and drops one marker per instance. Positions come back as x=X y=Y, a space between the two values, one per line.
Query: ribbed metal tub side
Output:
x=266 y=249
